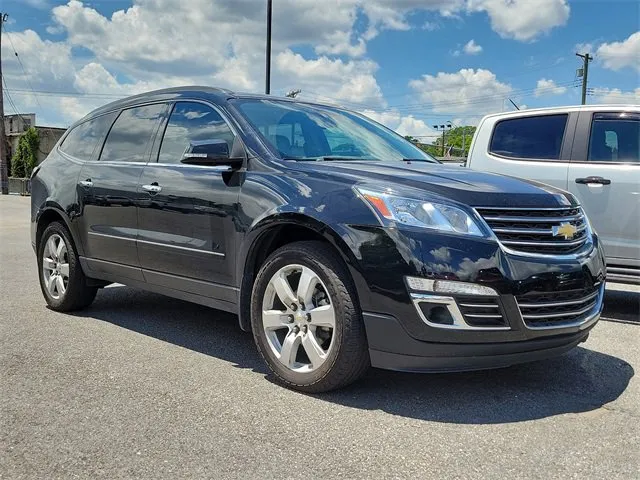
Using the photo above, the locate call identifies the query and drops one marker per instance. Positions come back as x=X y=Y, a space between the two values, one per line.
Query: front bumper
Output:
x=401 y=338
x=391 y=348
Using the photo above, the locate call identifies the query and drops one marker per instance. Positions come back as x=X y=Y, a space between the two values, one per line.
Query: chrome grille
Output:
x=481 y=311
x=535 y=230
x=560 y=308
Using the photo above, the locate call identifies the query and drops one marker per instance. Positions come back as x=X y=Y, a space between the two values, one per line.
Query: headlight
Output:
x=419 y=213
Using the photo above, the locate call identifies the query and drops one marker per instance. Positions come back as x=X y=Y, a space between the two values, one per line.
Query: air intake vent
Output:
x=481 y=311
x=558 y=309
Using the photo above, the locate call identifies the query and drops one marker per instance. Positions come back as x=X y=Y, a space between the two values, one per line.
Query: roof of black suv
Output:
x=215 y=94
x=165 y=94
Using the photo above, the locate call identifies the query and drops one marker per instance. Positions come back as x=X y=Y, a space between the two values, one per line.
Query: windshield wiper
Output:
x=409 y=160
x=337 y=158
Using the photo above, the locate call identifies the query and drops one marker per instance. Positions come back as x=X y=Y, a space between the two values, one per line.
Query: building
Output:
x=16 y=125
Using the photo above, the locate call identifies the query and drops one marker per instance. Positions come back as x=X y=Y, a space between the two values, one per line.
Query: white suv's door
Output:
x=531 y=146
x=605 y=176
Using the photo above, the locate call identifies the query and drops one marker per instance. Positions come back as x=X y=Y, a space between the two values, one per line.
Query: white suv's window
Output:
x=614 y=139
x=538 y=137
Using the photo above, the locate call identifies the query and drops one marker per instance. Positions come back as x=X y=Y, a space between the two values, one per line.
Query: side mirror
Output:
x=213 y=152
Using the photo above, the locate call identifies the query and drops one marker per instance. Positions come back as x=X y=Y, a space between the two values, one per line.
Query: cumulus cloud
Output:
x=472 y=48
x=618 y=55
x=463 y=91
x=159 y=43
x=522 y=19
x=615 y=95
x=351 y=81
x=403 y=124
x=548 y=87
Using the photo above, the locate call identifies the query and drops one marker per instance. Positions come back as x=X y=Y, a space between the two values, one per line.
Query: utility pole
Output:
x=4 y=174
x=586 y=58
x=443 y=128
x=267 y=86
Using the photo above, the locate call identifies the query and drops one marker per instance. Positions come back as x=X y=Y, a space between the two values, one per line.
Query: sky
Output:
x=409 y=64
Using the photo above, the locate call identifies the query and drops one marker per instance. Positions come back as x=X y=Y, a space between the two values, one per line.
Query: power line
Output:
x=26 y=77
x=477 y=100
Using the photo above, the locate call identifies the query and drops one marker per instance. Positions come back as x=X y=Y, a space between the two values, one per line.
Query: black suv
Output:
x=338 y=243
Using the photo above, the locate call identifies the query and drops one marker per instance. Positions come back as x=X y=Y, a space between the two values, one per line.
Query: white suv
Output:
x=591 y=151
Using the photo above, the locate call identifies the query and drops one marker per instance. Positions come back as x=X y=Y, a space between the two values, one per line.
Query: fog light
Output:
x=438 y=314
x=448 y=286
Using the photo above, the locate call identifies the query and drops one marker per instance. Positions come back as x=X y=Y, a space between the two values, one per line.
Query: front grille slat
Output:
x=559 y=304
x=570 y=218
x=532 y=230
x=559 y=308
x=478 y=311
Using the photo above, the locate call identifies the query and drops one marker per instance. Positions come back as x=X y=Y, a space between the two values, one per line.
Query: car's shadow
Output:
x=622 y=305
x=581 y=381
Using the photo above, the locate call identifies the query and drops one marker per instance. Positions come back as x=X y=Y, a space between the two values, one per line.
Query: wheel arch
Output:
x=281 y=229
x=48 y=215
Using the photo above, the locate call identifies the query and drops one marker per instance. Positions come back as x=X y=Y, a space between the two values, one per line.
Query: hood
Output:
x=460 y=184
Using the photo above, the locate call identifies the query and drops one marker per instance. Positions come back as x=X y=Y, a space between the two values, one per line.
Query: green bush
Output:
x=25 y=157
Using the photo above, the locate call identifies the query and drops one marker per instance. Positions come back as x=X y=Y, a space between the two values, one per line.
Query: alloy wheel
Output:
x=55 y=266
x=298 y=318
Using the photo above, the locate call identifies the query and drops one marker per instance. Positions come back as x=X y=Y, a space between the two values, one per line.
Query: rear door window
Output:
x=614 y=138
x=538 y=137
x=83 y=139
x=129 y=138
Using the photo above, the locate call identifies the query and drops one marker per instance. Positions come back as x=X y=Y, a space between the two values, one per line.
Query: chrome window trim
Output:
x=160 y=135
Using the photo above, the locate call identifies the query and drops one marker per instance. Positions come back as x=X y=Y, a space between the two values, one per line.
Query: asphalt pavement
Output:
x=144 y=386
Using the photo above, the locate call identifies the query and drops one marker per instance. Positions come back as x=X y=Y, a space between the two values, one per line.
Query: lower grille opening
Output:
x=558 y=309
x=481 y=311
x=437 y=314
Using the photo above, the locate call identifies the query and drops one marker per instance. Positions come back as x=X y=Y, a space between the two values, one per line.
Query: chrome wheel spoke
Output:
x=290 y=349
x=61 y=250
x=48 y=264
x=274 y=319
x=323 y=316
x=60 y=285
x=64 y=270
x=52 y=248
x=50 y=282
x=283 y=290
x=306 y=286
x=313 y=350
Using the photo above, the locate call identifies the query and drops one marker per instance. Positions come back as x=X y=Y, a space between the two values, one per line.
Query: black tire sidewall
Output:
x=76 y=292
x=325 y=269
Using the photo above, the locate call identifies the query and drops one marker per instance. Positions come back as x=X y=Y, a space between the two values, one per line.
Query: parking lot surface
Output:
x=144 y=386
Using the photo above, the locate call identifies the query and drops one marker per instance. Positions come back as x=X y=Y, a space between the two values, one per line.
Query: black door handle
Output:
x=588 y=180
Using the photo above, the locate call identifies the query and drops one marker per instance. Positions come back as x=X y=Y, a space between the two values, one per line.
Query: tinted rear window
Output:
x=130 y=135
x=83 y=139
x=537 y=137
x=614 y=139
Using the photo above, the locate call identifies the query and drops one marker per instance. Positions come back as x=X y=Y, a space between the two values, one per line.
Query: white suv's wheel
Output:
x=305 y=319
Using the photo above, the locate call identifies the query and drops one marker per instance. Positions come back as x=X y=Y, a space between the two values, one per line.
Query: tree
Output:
x=25 y=158
x=455 y=136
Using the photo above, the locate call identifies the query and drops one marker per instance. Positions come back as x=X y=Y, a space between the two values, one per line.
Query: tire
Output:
x=343 y=356
x=62 y=294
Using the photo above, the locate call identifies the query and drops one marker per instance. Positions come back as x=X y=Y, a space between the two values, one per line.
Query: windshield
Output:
x=299 y=131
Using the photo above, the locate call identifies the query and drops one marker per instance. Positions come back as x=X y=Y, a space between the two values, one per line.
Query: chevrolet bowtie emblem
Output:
x=565 y=230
